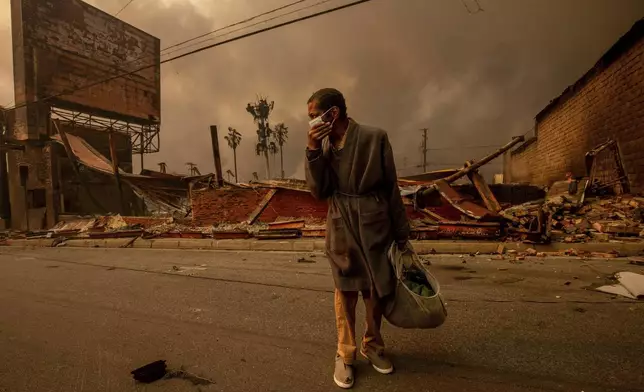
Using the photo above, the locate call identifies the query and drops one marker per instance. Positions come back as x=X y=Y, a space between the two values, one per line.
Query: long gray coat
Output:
x=366 y=212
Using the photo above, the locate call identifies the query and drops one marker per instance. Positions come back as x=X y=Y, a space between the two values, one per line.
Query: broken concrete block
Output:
x=604 y=255
x=531 y=252
x=636 y=260
x=622 y=229
x=638 y=214
x=500 y=249
x=601 y=237
x=582 y=224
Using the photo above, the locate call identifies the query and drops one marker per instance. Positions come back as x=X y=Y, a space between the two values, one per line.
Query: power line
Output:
x=164 y=51
x=235 y=24
x=463 y=147
x=448 y=165
x=124 y=7
x=233 y=39
x=7 y=106
x=246 y=27
x=215 y=31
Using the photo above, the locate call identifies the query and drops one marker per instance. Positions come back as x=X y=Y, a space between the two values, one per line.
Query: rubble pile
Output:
x=175 y=227
x=239 y=227
x=115 y=223
x=524 y=217
x=570 y=220
x=615 y=218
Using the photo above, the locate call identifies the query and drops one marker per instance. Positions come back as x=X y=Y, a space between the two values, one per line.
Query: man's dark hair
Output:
x=328 y=98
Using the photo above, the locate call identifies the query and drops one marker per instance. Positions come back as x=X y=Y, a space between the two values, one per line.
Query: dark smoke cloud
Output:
x=473 y=79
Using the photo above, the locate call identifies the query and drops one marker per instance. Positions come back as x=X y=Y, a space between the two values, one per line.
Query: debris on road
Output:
x=636 y=261
x=192 y=378
x=629 y=285
x=58 y=242
x=158 y=370
x=150 y=373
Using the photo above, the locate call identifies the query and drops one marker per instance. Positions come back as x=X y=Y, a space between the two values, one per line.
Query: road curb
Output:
x=309 y=245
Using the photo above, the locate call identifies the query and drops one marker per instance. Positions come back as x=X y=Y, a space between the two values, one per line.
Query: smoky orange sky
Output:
x=474 y=79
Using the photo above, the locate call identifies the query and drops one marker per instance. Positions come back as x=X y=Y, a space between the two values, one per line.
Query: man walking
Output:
x=352 y=166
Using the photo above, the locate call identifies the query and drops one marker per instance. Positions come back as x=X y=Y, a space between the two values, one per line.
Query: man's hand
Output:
x=317 y=134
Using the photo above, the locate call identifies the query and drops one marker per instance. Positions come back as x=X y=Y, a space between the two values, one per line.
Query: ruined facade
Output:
x=606 y=103
x=67 y=63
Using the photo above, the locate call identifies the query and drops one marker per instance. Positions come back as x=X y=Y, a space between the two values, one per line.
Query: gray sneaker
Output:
x=343 y=375
x=378 y=361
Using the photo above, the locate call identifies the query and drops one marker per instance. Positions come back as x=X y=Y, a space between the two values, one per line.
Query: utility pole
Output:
x=424 y=149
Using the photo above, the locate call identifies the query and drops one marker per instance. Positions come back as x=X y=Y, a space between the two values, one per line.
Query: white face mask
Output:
x=318 y=120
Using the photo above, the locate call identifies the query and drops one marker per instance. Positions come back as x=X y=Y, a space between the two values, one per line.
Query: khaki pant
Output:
x=345 y=319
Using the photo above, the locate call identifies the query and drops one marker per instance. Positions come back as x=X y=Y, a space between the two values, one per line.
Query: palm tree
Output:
x=234 y=140
x=280 y=134
x=261 y=110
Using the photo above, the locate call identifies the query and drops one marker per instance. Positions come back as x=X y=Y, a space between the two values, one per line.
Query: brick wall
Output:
x=289 y=203
x=229 y=205
x=518 y=168
x=608 y=102
x=235 y=205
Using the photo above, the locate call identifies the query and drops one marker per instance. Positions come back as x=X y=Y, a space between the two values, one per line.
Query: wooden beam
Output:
x=117 y=174
x=484 y=190
x=463 y=204
x=433 y=215
x=262 y=205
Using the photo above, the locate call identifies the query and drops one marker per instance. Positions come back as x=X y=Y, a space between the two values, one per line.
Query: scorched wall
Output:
x=236 y=205
x=607 y=102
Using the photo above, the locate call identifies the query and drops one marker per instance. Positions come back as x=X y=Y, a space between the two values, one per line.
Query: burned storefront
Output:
x=67 y=60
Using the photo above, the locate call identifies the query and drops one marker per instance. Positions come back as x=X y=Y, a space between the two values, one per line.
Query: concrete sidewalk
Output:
x=309 y=245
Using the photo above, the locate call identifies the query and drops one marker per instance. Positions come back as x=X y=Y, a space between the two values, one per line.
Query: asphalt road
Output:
x=82 y=319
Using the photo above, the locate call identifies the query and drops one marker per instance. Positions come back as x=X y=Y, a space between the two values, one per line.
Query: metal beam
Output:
x=74 y=163
x=117 y=174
